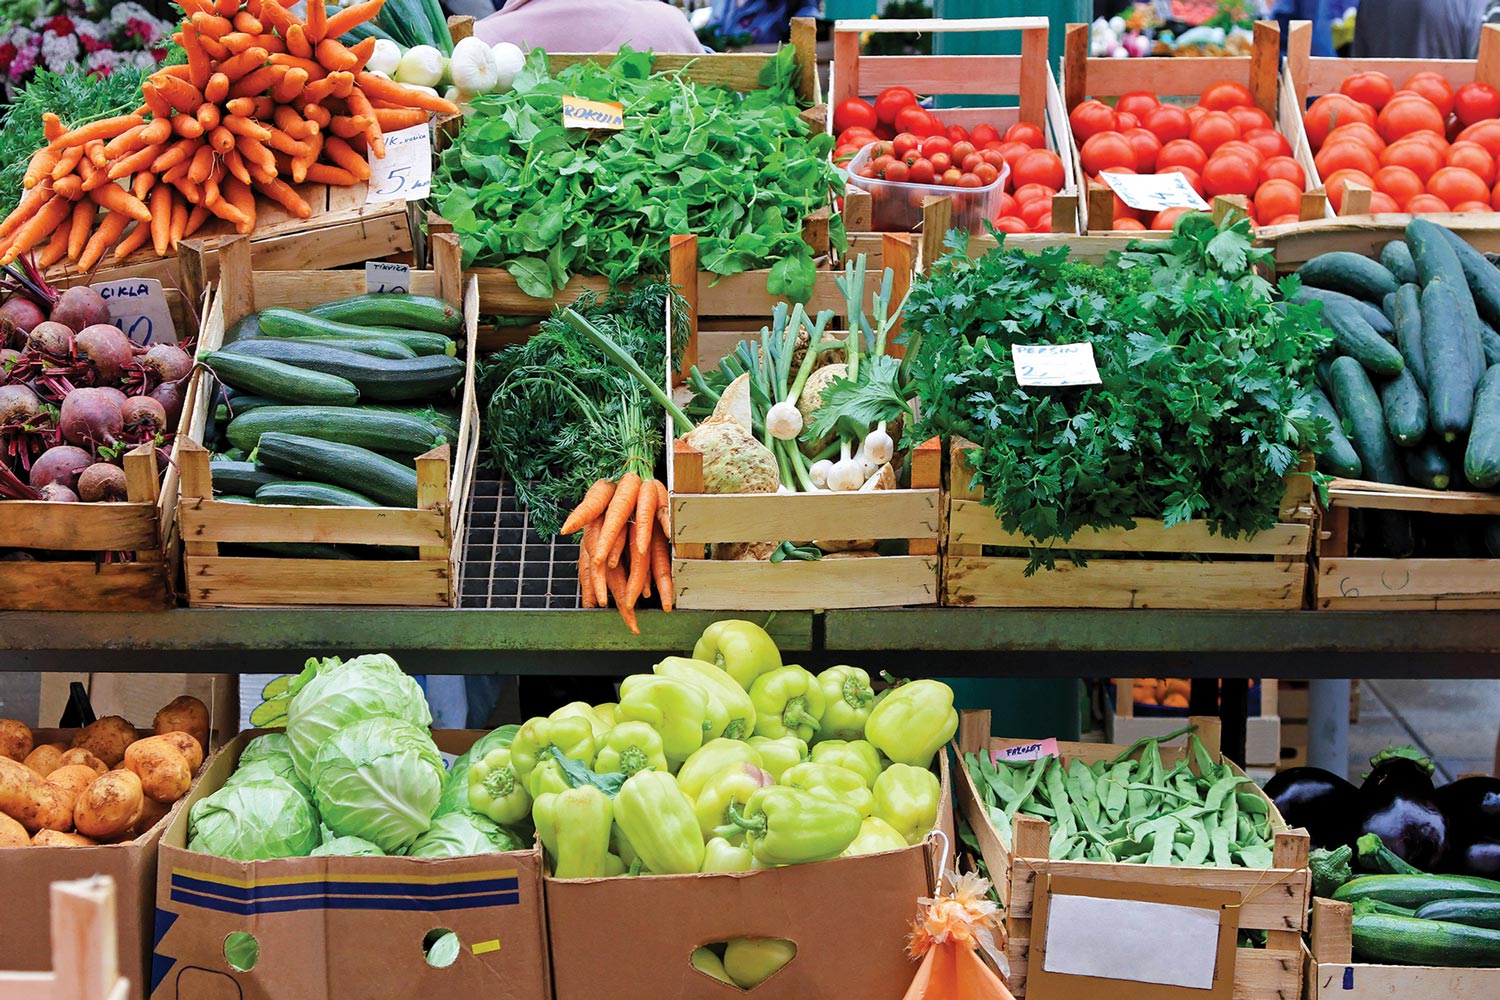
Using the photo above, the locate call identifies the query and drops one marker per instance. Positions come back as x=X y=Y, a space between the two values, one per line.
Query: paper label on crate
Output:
x=1055 y=364
x=1155 y=192
x=1029 y=751
x=579 y=113
x=138 y=306
x=1127 y=939
x=383 y=277
x=404 y=173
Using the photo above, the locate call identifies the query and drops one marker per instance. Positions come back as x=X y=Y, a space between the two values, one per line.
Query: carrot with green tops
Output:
x=40 y=167
x=293 y=83
x=297 y=43
x=187 y=126
x=105 y=128
x=616 y=579
x=178 y=227
x=67 y=162
x=226 y=8
x=211 y=25
x=281 y=192
x=621 y=505
x=640 y=564
x=39 y=226
x=235 y=164
x=593 y=505
x=139 y=160
x=52 y=127
x=117 y=199
x=396 y=119
x=216 y=89
x=248 y=23
x=196 y=218
x=343 y=155
x=322 y=173
x=31 y=202
x=94 y=152
x=197 y=59
x=141 y=185
x=240 y=66
x=56 y=247
x=647 y=499
x=585 y=579
x=80 y=226
x=352 y=17
x=661 y=570
x=105 y=236
x=161 y=219
x=259 y=81
x=132 y=242
x=333 y=54
x=70 y=187
x=181 y=94
x=208 y=116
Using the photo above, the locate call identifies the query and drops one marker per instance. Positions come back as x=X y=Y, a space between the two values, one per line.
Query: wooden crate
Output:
x=700 y=519
x=1273 y=900
x=1333 y=973
x=1292 y=700
x=1028 y=75
x=1268 y=570
x=1262 y=730
x=434 y=528
x=1348 y=582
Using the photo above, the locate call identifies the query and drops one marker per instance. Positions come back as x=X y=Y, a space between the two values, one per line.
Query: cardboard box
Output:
x=345 y=928
x=630 y=938
x=138 y=697
x=27 y=874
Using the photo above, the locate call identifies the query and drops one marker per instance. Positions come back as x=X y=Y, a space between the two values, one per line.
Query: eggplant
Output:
x=1321 y=801
x=1400 y=770
x=1481 y=858
x=1397 y=804
x=1472 y=808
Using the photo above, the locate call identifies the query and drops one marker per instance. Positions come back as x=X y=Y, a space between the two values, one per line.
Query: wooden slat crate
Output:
x=1028 y=75
x=1262 y=730
x=1273 y=900
x=1346 y=581
x=1268 y=570
x=1292 y=700
x=1333 y=974
x=434 y=527
x=700 y=519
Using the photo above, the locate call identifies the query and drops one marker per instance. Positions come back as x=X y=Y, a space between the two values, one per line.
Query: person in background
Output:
x=1427 y=29
x=763 y=21
x=1316 y=11
x=590 y=26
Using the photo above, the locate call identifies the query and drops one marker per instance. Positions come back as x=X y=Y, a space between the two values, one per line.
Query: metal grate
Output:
x=507 y=564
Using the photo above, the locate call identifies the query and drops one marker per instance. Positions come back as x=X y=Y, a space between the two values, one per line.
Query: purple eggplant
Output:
x=1471 y=807
x=1321 y=801
x=1397 y=804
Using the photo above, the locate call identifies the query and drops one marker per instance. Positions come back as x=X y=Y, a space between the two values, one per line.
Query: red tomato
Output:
x=1168 y=122
x=1183 y=152
x=1331 y=110
x=1474 y=158
x=1250 y=118
x=987 y=173
x=1373 y=88
x=1188 y=172
x=1284 y=167
x=1196 y=111
x=1433 y=86
x=897 y=171
x=957 y=134
x=1225 y=95
x=1473 y=206
x=941 y=163
x=1090 y=118
x=968 y=163
x=904 y=143
x=993 y=157
x=1405 y=115
x=1011 y=224
x=1038 y=166
x=1285 y=220
x=1008 y=206
x=1359 y=132
x=1031 y=192
x=918 y=121
x=921 y=172
x=891 y=101
x=867 y=171
x=962 y=149
x=1243 y=150
x=1164 y=221
x=1486 y=133
x=982 y=134
x=1230 y=174
x=1130 y=225
x=881 y=162
x=1418 y=156
x=968 y=180
x=1346 y=155
x=1476 y=102
x=1213 y=130
x=1456 y=186
x=1269 y=141
x=1146 y=146
x=1028 y=133
x=1400 y=184
x=844 y=154
x=1036 y=210
x=852 y=112
x=1335 y=185
x=1276 y=198
x=1423 y=203
x=1137 y=102
x=1125 y=120
x=936 y=144
x=950 y=177
x=1011 y=152
x=1495 y=198
x=1107 y=149
x=855 y=137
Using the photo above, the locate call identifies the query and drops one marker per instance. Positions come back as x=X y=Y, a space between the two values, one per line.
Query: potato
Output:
x=15 y=739
x=188 y=744
x=162 y=768
x=27 y=798
x=72 y=780
x=151 y=814
x=44 y=759
x=78 y=755
x=107 y=739
x=12 y=834
x=184 y=714
x=110 y=806
x=52 y=838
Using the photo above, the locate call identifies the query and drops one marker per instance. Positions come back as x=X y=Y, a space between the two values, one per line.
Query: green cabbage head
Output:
x=255 y=819
x=458 y=835
x=365 y=687
x=379 y=779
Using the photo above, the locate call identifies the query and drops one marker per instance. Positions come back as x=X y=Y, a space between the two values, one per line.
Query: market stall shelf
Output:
x=1333 y=972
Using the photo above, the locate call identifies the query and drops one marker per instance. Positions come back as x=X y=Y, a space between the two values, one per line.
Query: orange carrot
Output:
x=334 y=55
x=108 y=233
x=342 y=154
x=281 y=192
x=133 y=242
x=247 y=127
x=615 y=578
x=256 y=154
x=396 y=119
x=187 y=126
x=176 y=72
x=208 y=116
x=322 y=173
x=242 y=106
x=317 y=114
x=664 y=510
x=80 y=226
x=238 y=194
x=346 y=127
x=362 y=51
x=39 y=226
x=56 y=248
x=31 y=202
x=52 y=127
x=94 y=150
x=235 y=164
x=191 y=7
x=661 y=570
x=226 y=8
x=319 y=91
x=197 y=59
x=240 y=66
x=585 y=580
x=70 y=187
x=161 y=219
x=181 y=151
x=159 y=130
x=352 y=17
x=105 y=128
x=646 y=586
x=592 y=506
x=225 y=209
x=317 y=22
x=211 y=25
x=283 y=143
x=239 y=41
x=617 y=551
x=67 y=162
x=315 y=70
x=387 y=90
x=196 y=218
x=93 y=177
x=596 y=576
x=177 y=173
x=142 y=183
x=203 y=164
x=298 y=166
x=289 y=121
x=192 y=192
x=117 y=199
x=42 y=162
x=297 y=43
x=646 y=501
x=216 y=88
x=258 y=82
x=620 y=507
x=274 y=15
x=248 y=23
x=640 y=565
x=178 y=227
x=127 y=142
x=292 y=84
x=182 y=95
x=127 y=165
x=221 y=139
x=214 y=48
x=157 y=103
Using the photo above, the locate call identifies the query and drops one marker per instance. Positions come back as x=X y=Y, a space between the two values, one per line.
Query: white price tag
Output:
x=1029 y=752
x=139 y=308
x=405 y=172
x=1132 y=940
x=383 y=277
x=1055 y=364
x=579 y=113
x=1155 y=192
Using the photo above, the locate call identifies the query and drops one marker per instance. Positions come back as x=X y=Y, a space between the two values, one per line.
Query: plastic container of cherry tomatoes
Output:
x=896 y=206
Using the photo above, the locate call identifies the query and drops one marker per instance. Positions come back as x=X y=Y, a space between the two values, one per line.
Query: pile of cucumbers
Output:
x=1412 y=387
x=331 y=406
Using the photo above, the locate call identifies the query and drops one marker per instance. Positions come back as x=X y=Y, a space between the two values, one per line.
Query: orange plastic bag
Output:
x=946 y=934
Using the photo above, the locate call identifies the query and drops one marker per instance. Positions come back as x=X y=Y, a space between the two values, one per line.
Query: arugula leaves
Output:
x=545 y=202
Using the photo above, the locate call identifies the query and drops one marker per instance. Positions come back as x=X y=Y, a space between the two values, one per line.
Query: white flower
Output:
x=122 y=12
x=59 y=52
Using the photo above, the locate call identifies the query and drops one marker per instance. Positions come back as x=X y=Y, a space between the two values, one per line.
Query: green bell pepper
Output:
x=621 y=845
x=779 y=754
x=609 y=713
x=830 y=781
x=751 y=961
x=741 y=649
x=790 y=826
x=628 y=748
x=913 y=722
x=719 y=855
x=658 y=820
x=614 y=867
x=732 y=786
x=574 y=827
x=583 y=710
x=706 y=962
x=788 y=702
x=548 y=776
x=875 y=836
x=711 y=758
x=907 y=798
x=858 y=756
x=495 y=790
x=677 y=711
x=573 y=735
x=849 y=697
x=719 y=688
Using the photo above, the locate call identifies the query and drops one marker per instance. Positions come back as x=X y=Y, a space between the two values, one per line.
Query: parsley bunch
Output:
x=1204 y=404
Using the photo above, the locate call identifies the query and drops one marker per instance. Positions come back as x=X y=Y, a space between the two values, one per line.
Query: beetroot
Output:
x=51 y=338
x=102 y=482
x=144 y=418
x=9 y=358
x=107 y=349
x=60 y=466
x=58 y=493
x=167 y=362
x=18 y=315
x=91 y=417
x=80 y=307
x=18 y=404
x=169 y=395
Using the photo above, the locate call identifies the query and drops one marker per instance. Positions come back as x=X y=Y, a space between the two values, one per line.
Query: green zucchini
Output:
x=376 y=379
x=244 y=327
x=374 y=347
x=1350 y=273
x=1408 y=323
x=382 y=479
x=411 y=312
x=444 y=419
x=1339 y=457
x=1432 y=253
x=1380 y=906
x=1414 y=891
x=307 y=494
x=394 y=433
x=277 y=380
x=1489 y=339
x=1323 y=369
x=1374 y=856
x=241 y=403
x=1358 y=403
x=1378 y=320
x=1482 y=277
x=1482 y=456
x=239 y=478
x=1405 y=409
x=1473 y=912
x=1356 y=338
x=1445 y=349
x=1429 y=467
x=1395 y=257
x=1386 y=939
x=288 y=324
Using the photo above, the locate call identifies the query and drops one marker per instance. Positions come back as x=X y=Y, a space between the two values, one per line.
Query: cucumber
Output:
x=1481 y=275
x=1408 y=323
x=382 y=479
x=1378 y=320
x=1358 y=403
x=395 y=433
x=288 y=324
x=1433 y=253
x=1405 y=409
x=374 y=347
x=1395 y=257
x=1473 y=912
x=1414 y=891
x=1323 y=369
x=305 y=494
x=240 y=478
x=1339 y=458
x=1482 y=456
x=1357 y=339
x=1343 y=271
x=1445 y=350
x=1387 y=939
x=1489 y=339
x=376 y=379
x=1429 y=467
x=413 y=312
x=279 y=381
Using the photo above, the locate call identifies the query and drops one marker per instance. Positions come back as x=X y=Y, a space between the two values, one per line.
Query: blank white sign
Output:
x=1130 y=940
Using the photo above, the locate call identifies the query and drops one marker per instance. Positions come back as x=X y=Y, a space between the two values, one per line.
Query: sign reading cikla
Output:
x=579 y=113
x=404 y=173
x=1155 y=192
x=138 y=306
x=1055 y=364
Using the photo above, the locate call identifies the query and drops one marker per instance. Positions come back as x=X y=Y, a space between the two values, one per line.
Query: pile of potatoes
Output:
x=109 y=786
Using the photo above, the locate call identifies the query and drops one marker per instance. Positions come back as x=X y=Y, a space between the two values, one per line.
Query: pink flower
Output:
x=140 y=30
x=93 y=43
x=7 y=53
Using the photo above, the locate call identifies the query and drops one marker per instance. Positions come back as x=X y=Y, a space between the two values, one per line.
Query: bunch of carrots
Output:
x=625 y=529
x=264 y=99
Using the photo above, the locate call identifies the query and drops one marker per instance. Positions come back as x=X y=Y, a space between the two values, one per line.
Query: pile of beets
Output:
x=76 y=394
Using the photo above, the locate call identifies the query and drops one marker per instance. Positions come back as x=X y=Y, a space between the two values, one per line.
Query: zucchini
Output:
x=1356 y=338
x=1482 y=277
x=240 y=403
x=1350 y=273
x=445 y=420
x=288 y=324
x=1378 y=320
x=1482 y=456
x=1374 y=856
x=1429 y=467
x=1415 y=891
x=243 y=328
x=306 y=494
x=1358 y=403
x=1405 y=409
x=382 y=479
x=1388 y=939
x=411 y=312
x=1445 y=350
x=1339 y=457
x=1408 y=323
x=1395 y=257
x=1474 y=912
x=1489 y=339
x=239 y=478
x=277 y=380
x=395 y=433
x=374 y=347
x=376 y=379
x=1323 y=369
x=1433 y=253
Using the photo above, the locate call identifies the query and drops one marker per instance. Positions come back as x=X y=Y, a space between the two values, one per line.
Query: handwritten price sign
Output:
x=1155 y=192
x=383 y=277
x=1055 y=364
x=1021 y=754
x=139 y=308
x=405 y=172
x=578 y=113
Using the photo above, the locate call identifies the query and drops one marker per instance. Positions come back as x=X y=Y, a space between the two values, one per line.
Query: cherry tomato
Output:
x=987 y=173
x=918 y=121
x=852 y=112
x=881 y=162
x=941 y=162
x=967 y=180
x=921 y=172
x=957 y=134
x=962 y=149
x=968 y=163
x=897 y=171
x=992 y=157
x=951 y=176
x=867 y=171
x=903 y=144
x=982 y=135
x=936 y=144
x=891 y=101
